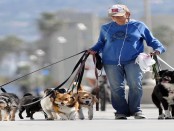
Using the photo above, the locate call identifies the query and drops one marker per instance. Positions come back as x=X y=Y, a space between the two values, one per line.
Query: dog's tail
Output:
x=3 y=90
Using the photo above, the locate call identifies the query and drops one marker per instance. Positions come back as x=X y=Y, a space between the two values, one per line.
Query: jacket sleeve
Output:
x=100 y=43
x=151 y=40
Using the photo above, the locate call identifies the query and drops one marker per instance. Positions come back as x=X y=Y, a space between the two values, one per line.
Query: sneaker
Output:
x=139 y=115
x=120 y=117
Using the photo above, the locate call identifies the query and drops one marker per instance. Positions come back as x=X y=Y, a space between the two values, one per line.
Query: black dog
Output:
x=26 y=103
x=161 y=92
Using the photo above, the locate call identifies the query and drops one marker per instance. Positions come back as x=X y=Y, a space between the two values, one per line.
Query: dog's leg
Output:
x=6 y=116
x=172 y=110
x=0 y=116
x=63 y=116
x=31 y=115
x=20 y=112
x=45 y=115
x=81 y=115
x=49 y=115
x=90 y=113
x=13 y=112
x=158 y=105
x=28 y=112
x=72 y=115
x=54 y=115
x=166 y=108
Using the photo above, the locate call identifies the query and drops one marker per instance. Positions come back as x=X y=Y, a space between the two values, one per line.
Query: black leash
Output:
x=156 y=68
x=81 y=62
x=41 y=69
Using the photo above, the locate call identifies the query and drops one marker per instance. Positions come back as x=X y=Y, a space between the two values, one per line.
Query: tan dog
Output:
x=86 y=100
x=65 y=105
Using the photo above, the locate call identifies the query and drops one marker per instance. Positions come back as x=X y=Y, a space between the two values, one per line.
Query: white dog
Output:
x=47 y=105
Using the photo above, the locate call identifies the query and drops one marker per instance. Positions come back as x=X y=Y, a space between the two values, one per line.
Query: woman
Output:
x=120 y=42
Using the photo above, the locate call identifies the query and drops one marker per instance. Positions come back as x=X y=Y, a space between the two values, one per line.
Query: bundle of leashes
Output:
x=80 y=64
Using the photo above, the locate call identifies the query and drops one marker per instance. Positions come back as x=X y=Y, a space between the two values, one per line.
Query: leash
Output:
x=81 y=62
x=157 y=67
x=165 y=63
x=41 y=68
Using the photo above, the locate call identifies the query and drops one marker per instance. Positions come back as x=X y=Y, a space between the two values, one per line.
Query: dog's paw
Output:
x=162 y=116
x=50 y=119
x=72 y=118
x=31 y=118
x=168 y=115
x=168 y=118
x=81 y=118
x=90 y=117
x=12 y=119
x=63 y=119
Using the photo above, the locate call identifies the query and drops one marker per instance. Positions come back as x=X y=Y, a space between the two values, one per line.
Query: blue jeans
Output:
x=118 y=75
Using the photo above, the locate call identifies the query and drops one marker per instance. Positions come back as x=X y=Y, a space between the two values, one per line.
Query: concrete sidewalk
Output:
x=103 y=120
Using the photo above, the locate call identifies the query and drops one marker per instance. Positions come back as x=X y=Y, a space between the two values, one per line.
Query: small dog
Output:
x=46 y=103
x=9 y=104
x=30 y=109
x=86 y=100
x=66 y=105
x=161 y=92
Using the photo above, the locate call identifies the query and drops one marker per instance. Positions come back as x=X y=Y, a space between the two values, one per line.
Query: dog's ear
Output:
x=162 y=72
x=70 y=93
x=52 y=99
x=61 y=90
x=166 y=98
x=81 y=88
x=95 y=99
x=3 y=90
x=53 y=94
x=76 y=96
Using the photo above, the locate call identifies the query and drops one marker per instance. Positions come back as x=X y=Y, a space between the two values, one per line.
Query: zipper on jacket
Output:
x=119 y=58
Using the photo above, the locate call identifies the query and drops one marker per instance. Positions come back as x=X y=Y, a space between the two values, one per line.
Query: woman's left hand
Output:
x=155 y=53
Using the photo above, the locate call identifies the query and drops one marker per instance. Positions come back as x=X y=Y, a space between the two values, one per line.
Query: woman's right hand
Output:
x=91 y=52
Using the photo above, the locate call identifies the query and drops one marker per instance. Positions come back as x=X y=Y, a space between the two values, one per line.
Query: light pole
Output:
x=147 y=14
x=61 y=68
x=38 y=78
x=81 y=27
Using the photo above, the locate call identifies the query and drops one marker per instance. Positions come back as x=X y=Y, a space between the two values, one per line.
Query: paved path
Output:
x=103 y=121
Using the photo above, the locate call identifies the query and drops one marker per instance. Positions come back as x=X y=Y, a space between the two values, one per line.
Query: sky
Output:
x=18 y=17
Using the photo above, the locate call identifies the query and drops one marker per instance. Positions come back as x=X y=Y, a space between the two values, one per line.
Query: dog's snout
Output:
x=86 y=102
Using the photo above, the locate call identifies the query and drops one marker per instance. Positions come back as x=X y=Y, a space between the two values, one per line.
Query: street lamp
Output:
x=61 y=68
x=81 y=27
x=147 y=80
x=61 y=39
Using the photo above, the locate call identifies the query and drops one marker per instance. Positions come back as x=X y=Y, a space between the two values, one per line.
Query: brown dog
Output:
x=86 y=100
x=65 y=105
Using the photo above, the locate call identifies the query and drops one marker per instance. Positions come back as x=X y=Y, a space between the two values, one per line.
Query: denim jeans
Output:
x=118 y=76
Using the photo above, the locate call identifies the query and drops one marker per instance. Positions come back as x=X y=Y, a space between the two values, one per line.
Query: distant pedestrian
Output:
x=120 y=42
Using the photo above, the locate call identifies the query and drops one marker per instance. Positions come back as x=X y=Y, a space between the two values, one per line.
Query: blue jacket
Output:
x=121 y=44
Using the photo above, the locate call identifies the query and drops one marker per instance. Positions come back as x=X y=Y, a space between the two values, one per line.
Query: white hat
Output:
x=118 y=10
x=145 y=61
